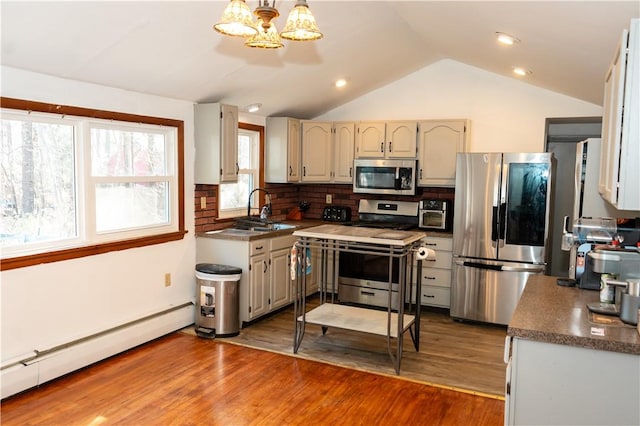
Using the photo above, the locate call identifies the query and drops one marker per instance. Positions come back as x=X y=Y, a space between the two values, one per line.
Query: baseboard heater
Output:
x=41 y=365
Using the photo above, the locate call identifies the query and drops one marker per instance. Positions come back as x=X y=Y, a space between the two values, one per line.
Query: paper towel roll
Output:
x=424 y=253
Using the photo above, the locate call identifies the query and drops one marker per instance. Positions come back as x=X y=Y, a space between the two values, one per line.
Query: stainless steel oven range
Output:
x=364 y=278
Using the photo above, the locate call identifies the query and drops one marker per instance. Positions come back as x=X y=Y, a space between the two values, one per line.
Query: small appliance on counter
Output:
x=336 y=214
x=436 y=215
x=624 y=265
x=587 y=235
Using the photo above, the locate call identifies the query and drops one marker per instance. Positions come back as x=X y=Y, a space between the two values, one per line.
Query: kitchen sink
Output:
x=260 y=226
x=270 y=227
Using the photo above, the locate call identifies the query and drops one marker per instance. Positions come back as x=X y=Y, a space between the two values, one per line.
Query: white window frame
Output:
x=84 y=184
x=255 y=172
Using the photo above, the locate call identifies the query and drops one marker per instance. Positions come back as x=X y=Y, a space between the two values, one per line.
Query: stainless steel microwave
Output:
x=385 y=176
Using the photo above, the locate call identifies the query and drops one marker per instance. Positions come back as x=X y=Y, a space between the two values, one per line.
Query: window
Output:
x=234 y=196
x=71 y=182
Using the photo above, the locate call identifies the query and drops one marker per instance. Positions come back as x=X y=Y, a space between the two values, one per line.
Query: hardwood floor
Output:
x=181 y=379
x=452 y=354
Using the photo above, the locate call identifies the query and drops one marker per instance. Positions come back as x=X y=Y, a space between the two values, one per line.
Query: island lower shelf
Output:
x=356 y=319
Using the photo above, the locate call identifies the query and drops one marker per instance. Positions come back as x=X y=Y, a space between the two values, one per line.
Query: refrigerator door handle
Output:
x=502 y=220
x=479 y=265
x=529 y=268
x=522 y=268
x=494 y=224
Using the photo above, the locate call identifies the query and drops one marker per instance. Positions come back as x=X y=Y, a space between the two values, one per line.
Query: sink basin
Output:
x=271 y=227
x=260 y=226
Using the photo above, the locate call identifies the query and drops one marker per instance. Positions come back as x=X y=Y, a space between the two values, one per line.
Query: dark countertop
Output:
x=246 y=235
x=551 y=313
x=237 y=235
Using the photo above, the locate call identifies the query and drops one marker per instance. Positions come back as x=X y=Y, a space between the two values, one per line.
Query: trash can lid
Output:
x=214 y=268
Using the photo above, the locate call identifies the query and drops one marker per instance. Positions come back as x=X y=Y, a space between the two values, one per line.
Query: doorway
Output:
x=562 y=135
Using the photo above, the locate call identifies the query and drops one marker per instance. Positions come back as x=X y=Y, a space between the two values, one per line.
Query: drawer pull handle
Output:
x=367 y=293
x=431 y=244
x=259 y=247
x=429 y=278
x=429 y=296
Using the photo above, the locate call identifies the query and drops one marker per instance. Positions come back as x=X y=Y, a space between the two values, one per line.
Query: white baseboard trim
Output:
x=36 y=371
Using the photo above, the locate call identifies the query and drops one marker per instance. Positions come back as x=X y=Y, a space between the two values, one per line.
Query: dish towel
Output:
x=295 y=268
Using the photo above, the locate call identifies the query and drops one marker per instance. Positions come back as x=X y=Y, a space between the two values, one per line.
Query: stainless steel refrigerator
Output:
x=500 y=230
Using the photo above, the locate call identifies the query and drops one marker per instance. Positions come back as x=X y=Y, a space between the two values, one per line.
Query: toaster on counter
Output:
x=336 y=214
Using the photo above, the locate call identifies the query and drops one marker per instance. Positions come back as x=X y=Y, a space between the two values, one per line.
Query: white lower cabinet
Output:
x=266 y=283
x=553 y=384
x=436 y=274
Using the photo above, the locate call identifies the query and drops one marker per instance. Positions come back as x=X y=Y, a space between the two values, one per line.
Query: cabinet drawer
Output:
x=436 y=277
x=258 y=247
x=438 y=243
x=283 y=242
x=435 y=296
x=443 y=261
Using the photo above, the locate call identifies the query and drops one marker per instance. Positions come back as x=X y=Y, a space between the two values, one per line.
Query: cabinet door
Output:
x=316 y=151
x=343 y=148
x=401 y=139
x=280 y=278
x=438 y=144
x=293 y=151
x=229 y=144
x=258 y=283
x=612 y=123
x=370 y=143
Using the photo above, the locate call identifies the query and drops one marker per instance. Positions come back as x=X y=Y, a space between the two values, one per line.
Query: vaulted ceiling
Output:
x=170 y=49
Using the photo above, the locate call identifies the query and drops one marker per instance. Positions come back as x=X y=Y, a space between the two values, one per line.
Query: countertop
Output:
x=380 y=236
x=551 y=313
x=246 y=235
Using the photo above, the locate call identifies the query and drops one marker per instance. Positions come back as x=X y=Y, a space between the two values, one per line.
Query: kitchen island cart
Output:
x=393 y=322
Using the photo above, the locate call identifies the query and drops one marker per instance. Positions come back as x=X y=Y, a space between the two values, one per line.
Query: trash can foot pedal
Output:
x=205 y=332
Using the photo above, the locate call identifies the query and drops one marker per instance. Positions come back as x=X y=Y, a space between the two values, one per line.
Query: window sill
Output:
x=78 y=252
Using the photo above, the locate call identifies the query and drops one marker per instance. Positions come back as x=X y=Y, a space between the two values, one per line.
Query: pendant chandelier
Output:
x=237 y=21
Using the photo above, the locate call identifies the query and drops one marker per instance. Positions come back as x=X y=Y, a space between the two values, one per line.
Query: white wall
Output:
x=50 y=304
x=506 y=114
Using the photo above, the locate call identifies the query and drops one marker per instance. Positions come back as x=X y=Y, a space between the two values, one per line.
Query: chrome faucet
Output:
x=266 y=209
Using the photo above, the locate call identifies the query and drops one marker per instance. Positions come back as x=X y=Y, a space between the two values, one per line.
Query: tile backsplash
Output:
x=284 y=197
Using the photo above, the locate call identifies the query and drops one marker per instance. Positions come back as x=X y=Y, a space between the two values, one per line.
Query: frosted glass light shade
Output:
x=268 y=39
x=236 y=20
x=301 y=25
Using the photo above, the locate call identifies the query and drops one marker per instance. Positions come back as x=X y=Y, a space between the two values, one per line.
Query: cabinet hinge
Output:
x=220 y=171
x=220 y=114
x=249 y=266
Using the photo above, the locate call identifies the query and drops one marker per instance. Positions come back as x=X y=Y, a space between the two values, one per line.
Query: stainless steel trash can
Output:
x=217 y=301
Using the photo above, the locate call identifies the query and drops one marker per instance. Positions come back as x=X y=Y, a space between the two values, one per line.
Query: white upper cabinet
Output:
x=438 y=143
x=282 y=151
x=401 y=139
x=327 y=151
x=370 y=139
x=216 y=141
x=391 y=139
x=344 y=140
x=620 y=161
x=316 y=151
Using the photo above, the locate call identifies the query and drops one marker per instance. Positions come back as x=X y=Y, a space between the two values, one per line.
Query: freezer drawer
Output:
x=488 y=292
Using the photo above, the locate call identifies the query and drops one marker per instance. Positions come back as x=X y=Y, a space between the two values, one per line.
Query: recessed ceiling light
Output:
x=253 y=107
x=521 y=71
x=506 y=39
x=341 y=82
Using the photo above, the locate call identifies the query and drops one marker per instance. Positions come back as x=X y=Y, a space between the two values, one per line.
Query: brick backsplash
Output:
x=285 y=196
